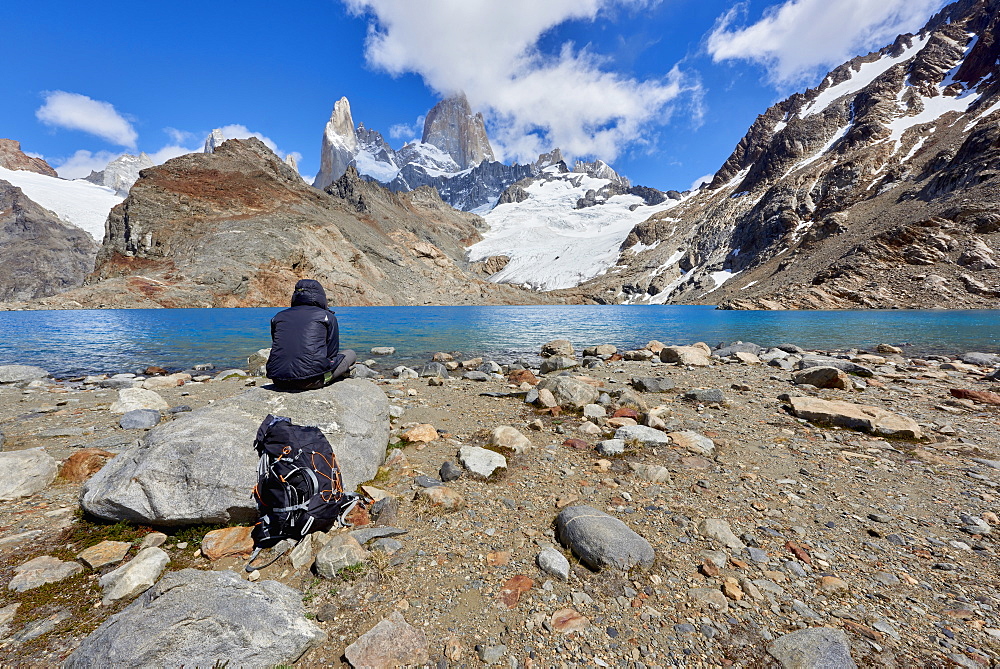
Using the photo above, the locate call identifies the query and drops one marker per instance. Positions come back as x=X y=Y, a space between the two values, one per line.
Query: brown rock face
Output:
x=41 y=254
x=238 y=227
x=227 y=541
x=13 y=158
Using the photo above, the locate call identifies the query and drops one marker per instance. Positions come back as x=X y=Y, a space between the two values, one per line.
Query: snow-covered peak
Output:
x=122 y=172
x=214 y=139
x=600 y=170
x=340 y=144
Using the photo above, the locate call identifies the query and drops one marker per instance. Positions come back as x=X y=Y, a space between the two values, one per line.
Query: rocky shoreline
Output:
x=667 y=506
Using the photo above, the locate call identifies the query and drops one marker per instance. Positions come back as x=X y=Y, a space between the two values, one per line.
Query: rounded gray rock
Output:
x=815 y=648
x=139 y=419
x=600 y=540
x=200 y=618
x=23 y=473
x=553 y=562
x=569 y=392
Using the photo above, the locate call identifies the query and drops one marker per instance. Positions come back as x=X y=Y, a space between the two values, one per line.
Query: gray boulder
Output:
x=569 y=392
x=362 y=371
x=981 y=359
x=556 y=364
x=813 y=648
x=844 y=365
x=21 y=373
x=203 y=618
x=647 y=436
x=481 y=461
x=558 y=347
x=476 y=376
x=23 y=473
x=823 y=377
x=434 y=369
x=135 y=576
x=738 y=347
x=707 y=395
x=201 y=466
x=651 y=384
x=600 y=540
x=139 y=419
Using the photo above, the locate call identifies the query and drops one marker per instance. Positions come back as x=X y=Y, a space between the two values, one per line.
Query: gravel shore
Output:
x=761 y=522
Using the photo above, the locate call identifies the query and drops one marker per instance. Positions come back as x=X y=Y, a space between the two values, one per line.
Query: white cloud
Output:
x=82 y=163
x=180 y=136
x=78 y=112
x=534 y=101
x=169 y=151
x=800 y=38
x=408 y=132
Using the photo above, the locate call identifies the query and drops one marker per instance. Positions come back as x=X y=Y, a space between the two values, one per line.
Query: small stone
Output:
x=139 y=419
x=134 y=577
x=509 y=438
x=153 y=540
x=553 y=562
x=720 y=531
x=441 y=497
x=481 y=462
x=491 y=654
x=104 y=553
x=600 y=540
x=130 y=399
x=340 y=552
x=41 y=570
x=567 y=621
x=707 y=396
x=832 y=585
x=646 y=436
x=813 y=647
x=382 y=350
x=227 y=541
x=450 y=472
x=557 y=347
x=611 y=447
x=510 y=593
x=423 y=433
x=649 y=384
x=708 y=598
x=392 y=642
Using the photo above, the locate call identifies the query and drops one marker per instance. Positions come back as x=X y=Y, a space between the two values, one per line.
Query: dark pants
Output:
x=347 y=358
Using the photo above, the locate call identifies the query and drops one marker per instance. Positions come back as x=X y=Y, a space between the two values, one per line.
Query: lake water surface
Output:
x=91 y=341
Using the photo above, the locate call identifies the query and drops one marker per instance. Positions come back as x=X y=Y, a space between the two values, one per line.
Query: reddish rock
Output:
x=981 y=396
x=567 y=621
x=512 y=590
x=12 y=158
x=358 y=517
x=153 y=370
x=519 y=376
x=799 y=551
x=578 y=444
x=83 y=464
x=227 y=541
x=626 y=412
x=708 y=568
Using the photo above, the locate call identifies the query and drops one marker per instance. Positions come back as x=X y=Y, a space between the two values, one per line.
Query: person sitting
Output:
x=305 y=342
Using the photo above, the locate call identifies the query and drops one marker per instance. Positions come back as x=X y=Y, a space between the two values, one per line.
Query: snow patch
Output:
x=78 y=202
x=819 y=154
x=864 y=75
x=551 y=244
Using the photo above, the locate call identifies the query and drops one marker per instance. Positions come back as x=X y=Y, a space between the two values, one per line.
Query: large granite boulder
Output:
x=23 y=473
x=570 y=392
x=203 y=618
x=21 y=373
x=201 y=466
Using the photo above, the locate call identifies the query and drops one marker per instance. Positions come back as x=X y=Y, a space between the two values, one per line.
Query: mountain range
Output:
x=876 y=189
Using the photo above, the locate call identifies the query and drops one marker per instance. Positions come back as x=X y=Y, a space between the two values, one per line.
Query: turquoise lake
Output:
x=70 y=343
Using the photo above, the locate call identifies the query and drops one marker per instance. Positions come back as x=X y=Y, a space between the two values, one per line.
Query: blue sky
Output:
x=663 y=90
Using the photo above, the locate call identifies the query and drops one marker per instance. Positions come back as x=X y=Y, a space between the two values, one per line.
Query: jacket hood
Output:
x=310 y=292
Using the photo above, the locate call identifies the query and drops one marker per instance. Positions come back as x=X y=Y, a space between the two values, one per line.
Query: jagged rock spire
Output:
x=452 y=127
x=340 y=145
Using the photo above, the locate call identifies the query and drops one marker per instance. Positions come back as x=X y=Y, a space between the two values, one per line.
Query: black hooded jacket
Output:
x=305 y=339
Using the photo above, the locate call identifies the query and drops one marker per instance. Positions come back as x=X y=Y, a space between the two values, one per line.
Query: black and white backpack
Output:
x=299 y=489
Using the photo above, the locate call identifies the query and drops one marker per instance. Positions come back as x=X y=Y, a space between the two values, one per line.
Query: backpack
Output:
x=299 y=489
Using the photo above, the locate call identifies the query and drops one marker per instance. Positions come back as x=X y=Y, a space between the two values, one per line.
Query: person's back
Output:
x=305 y=349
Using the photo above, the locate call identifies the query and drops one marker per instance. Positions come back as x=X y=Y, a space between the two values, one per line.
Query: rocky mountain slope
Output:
x=12 y=158
x=876 y=189
x=238 y=227
x=41 y=254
